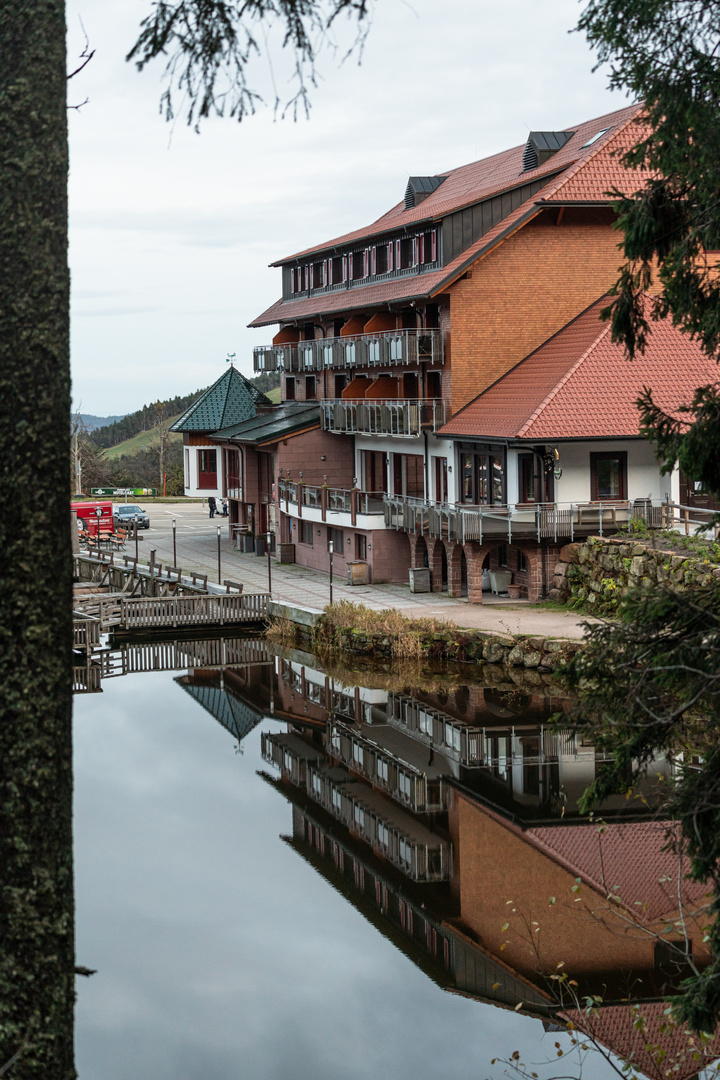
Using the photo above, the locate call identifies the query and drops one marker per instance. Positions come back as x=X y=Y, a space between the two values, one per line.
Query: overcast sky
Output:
x=171 y=232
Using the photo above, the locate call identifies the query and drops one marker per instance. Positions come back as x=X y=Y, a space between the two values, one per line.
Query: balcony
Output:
x=322 y=501
x=463 y=522
x=404 y=417
x=386 y=349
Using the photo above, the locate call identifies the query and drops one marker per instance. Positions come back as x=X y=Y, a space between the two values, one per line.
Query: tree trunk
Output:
x=36 y=898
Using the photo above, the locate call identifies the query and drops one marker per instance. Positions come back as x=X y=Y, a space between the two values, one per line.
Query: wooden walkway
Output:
x=184 y=601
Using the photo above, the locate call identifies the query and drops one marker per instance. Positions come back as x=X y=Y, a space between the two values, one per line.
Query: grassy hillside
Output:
x=274 y=395
x=140 y=442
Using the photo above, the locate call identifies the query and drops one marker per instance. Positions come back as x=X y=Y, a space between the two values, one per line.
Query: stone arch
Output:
x=530 y=579
x=454 y=564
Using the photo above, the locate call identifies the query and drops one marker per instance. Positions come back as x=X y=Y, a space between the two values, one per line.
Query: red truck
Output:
x=95 y=515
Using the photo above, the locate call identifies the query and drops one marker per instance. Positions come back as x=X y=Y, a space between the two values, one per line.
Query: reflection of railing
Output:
x=403 y=782
x=385 y=348
x=463 y=522
x=403 y=416
x=494 y=747
x=420 y=854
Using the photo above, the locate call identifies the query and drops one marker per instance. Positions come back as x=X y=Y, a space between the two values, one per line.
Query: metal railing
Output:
x=386 y=348
x=338 y=500
x=463 y=522
x=406 y=417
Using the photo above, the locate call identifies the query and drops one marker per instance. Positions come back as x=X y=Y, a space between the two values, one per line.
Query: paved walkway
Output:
x=197 y=549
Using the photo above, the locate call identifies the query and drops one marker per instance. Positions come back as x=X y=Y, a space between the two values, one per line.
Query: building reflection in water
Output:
x=449 y=818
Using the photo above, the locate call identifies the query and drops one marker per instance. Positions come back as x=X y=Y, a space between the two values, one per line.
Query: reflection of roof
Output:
x=236 y=716
x=575 y=174
x=644 y=1036
x=580 y=384
x=228 y=401
x=272 y=424
x=630 y=856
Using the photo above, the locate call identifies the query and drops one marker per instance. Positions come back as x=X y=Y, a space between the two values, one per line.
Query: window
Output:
x=318 y=275
x=441 y=480
x=359 y=816
x=404 y=785
x=522 y=564
x=338 y=540
x=502 y=556
x=409 y=475
x=337 y=270
x=289 y=388
x=428 y=247
x=608 y=475
x=360 y=546
x=373 y=470
x=310 y=388
x=207 y=469
x=306 y=532
x=382 y=770
x=359 y=265
x=408 y=248
x=383 y=834
x=358 y=755
x=526 y=468
x=337 y=800
x=382 y=259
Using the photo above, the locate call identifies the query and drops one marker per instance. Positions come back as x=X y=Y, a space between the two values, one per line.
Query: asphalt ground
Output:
x=196 y=549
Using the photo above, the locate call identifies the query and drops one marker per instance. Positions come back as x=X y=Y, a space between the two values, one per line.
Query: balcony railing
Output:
x=406 y=417
x=386 y=349
x=463 y=522
x=336 y=500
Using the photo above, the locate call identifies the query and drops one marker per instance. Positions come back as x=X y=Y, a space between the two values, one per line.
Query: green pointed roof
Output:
x=230 y=400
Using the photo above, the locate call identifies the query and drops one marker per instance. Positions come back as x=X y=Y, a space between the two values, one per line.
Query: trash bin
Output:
x=419 y=579
x=357 y=573
x=248 y=543
x=260 y=544
x=286 y=553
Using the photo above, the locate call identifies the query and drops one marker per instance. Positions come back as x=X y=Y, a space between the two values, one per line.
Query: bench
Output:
x=232 y=586
x=589 y=513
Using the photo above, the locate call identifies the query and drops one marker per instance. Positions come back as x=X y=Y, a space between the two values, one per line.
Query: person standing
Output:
x=224 y=508
x=213 y=505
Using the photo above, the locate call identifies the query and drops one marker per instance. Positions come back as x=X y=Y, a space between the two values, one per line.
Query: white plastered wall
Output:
x=643 y=470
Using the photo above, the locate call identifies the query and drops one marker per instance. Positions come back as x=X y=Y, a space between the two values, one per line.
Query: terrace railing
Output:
x=463 y=522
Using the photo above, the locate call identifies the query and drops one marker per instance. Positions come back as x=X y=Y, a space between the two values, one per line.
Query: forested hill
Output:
x=149 y=416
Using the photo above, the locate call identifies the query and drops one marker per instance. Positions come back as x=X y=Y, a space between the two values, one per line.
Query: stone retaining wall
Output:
x=601 y=571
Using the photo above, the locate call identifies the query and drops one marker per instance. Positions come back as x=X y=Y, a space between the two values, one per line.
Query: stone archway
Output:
x=418 y=552
x=438 y=565
x=530 y=578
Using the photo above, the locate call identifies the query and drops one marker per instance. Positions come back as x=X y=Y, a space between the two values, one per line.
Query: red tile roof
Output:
x=647 y=883
x=490 y=176
x=574 y=174
x=644 y=1036
x=579 y=384
x=396 y=289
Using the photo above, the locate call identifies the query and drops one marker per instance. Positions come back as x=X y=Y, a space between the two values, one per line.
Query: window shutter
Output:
x=390 y=255
x=433 y=245
x=344 y=267
x=374 y=260
x=421 y=244
x=366 y=261
x=415 y=251
x=326 y=268
x=398 y=256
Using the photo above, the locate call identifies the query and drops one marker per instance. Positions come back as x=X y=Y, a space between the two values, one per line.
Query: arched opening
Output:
x=463 y=574
x=444 y=569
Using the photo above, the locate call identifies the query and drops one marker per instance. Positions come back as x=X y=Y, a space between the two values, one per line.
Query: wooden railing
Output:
x=404 y=417
x=176 y=611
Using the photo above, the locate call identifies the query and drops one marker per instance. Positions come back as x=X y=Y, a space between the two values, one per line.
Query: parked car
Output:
x=125 y=513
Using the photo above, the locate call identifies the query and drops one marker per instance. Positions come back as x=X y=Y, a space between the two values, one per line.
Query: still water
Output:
x=285 y=874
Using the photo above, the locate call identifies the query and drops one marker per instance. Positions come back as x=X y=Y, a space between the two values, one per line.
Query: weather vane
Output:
x=230 y=358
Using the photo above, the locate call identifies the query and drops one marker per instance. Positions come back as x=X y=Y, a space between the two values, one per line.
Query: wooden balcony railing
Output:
x=329 y=500
x=386 y=349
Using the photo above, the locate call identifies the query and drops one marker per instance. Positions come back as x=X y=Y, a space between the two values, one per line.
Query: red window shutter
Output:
x=421 y=257
x=415 y=251
x=433 y=245
x=345 y=267
x=325 y=271
x=390 y=255
x=374 y=260
x=366 y=261
x=398 y=257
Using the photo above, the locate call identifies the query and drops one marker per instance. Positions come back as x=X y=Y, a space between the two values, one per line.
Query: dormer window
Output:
x=541 y=146
x=419 y=187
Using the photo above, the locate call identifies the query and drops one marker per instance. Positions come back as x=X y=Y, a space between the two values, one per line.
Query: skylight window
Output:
x=594 y=138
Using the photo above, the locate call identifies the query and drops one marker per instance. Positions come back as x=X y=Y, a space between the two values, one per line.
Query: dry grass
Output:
x=282 y=632
x=405 y=636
